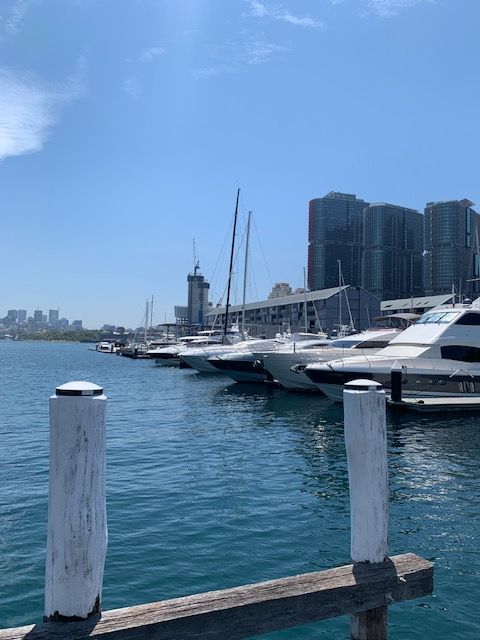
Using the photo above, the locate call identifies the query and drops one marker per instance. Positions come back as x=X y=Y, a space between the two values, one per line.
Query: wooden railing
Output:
x=363 y=590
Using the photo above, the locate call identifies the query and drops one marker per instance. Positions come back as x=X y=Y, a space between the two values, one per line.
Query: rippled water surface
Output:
x=213 y=484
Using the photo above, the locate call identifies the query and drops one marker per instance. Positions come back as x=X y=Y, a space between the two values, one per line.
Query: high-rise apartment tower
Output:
x=392 y=251
x=335 y=232
x=451 y=242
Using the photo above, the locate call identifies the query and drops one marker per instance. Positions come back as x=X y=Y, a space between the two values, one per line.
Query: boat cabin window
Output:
x=470 y=319
x=438 y=317
x=461 y=352
x=372 y=344
x=343 y=344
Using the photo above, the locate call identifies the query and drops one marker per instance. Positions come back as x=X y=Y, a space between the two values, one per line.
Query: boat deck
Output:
x=425 y=404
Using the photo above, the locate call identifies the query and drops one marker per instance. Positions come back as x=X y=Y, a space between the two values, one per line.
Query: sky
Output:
x=126 y=127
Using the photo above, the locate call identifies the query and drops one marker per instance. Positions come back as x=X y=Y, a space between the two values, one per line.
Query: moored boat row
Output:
x=436 y=357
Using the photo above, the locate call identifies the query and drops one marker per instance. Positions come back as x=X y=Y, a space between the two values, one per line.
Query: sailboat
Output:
x=198 y=358
x=343 y=329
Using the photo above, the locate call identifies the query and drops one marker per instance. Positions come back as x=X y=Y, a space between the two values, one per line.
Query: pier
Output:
x=77 y=534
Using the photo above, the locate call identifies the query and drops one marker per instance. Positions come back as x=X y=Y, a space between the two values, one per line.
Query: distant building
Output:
x=12 y=316
x=451 y=242
x=280 y=290
x=108 y=327
x=392 y=251
x=76 y=325
x=38 y=315
x=22 y=316
x=335 y=232
x=197 y=297
x=53 y=315
x=326 y=309
x=181 y=314
x=417 y=305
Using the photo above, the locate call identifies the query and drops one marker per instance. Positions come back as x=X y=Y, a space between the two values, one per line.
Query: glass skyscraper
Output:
x=451 y=256
x=392 y=251
x=335 y=232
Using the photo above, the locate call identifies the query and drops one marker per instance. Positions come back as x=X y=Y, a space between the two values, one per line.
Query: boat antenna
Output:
x=231 y=263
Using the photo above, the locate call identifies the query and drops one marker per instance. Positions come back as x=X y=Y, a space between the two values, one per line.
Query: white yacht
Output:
x=287 y=364
x=247 y=366
x=170 y=355
x=439 y=356
x=199 y=357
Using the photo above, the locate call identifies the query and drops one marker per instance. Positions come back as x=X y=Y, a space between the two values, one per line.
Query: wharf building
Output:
x=451 y=243
x=326 y=309
x=335 y=232
x=392 y=262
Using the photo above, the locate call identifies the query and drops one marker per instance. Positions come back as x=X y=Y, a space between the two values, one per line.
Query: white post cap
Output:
x=79 y=388
x=363 y=385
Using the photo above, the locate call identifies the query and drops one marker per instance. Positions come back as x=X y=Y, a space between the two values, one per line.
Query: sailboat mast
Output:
x=339 y=295
x=247 y=239
x=231 y=264
x=305 y=299
x=146 y=321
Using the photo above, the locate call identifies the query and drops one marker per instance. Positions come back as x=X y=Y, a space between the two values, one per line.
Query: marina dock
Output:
x=435 y=404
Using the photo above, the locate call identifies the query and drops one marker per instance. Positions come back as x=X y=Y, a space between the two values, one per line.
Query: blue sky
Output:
x=127 y=125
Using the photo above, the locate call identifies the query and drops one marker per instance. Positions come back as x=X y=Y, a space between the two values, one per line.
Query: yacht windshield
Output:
x=344 y=344
x=438 y=317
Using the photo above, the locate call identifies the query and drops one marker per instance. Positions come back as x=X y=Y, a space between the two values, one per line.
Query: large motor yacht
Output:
x=170 y=355
x=287 y=364
x=201 y=358
x=247 y=366
x=439 y=356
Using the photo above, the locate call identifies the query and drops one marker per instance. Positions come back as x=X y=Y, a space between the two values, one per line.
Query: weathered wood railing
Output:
x=77 y=543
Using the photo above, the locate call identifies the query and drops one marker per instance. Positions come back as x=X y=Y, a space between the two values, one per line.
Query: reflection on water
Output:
x=213 y=484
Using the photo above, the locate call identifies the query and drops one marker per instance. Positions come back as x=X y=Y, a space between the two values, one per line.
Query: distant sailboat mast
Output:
x=247 y=238
x=305 y=299
x=231 y=264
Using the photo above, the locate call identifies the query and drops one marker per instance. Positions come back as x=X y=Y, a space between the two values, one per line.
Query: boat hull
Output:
x=241 y=370
x=415 y=383
x=199 y=363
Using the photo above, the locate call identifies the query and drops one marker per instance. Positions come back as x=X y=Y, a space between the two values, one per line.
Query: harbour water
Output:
x=212 y=484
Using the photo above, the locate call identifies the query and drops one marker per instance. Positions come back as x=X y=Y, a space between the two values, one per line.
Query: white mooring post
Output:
x=366 y=446
x=77 y=518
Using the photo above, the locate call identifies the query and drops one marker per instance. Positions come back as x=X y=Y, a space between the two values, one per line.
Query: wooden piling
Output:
x=77 y=519
x=77 y=540
x=366 y=446
x=396 y=382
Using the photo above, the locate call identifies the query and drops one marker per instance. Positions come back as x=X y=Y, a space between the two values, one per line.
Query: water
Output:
x=213 y=484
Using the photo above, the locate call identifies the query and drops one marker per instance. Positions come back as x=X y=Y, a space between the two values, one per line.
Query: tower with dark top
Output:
x=197 y=296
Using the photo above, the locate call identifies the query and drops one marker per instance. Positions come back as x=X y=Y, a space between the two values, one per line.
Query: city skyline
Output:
x=125 y=131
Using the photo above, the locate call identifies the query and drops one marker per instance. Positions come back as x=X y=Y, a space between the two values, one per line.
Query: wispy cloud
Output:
x=259 y=51
x=151 y=53
x=29 y=109
x=388 y=8
x=235 y=57
x=132 y=87
x=11 y=19
x=259 y=9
